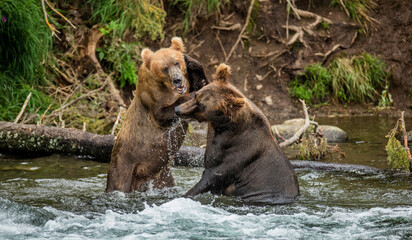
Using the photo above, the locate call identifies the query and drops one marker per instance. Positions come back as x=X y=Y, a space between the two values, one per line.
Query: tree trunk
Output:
x=29 y=139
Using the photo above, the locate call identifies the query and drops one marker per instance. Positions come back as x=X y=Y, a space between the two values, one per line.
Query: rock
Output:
x=268 y=100
x=288 y=128
x=409 y=136
x=258 y=87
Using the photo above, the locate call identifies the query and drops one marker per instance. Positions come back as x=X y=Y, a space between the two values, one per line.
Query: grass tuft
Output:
x=360 y=11
x=347 y=79
x=357 y=79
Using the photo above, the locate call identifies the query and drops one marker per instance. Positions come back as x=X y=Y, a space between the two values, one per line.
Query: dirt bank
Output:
x=265 y=61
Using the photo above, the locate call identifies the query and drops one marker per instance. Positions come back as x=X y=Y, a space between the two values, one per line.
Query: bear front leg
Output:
x=196 y=74
x=165 y=115
x=204 y=185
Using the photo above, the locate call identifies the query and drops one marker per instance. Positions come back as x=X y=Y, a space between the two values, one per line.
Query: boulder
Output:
x=409 y=136
x=288 y=128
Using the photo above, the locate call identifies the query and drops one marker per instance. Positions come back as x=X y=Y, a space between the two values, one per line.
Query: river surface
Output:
x=61 y=197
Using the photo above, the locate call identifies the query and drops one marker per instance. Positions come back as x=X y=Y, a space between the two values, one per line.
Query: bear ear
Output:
x=177 y=44
x=223 y=73
x=231 y=106
x=147 y=57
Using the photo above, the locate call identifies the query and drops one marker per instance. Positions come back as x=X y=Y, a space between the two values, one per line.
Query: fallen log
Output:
x=29 y=139
x=193 y=157
x=32 y=139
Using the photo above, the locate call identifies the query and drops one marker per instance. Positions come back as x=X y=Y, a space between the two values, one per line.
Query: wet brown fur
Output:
x=242 y=156
x=150 y=136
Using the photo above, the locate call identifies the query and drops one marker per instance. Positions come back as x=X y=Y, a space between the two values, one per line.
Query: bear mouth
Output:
x=181 y=90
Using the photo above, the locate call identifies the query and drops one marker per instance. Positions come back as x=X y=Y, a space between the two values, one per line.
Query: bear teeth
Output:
x=181 y=90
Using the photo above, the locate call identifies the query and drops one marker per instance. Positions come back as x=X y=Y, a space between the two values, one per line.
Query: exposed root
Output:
x=90 y=52
x=337 y=46
x=278 y=54
x=249 y=13
x=236 y=26
x=220 y=44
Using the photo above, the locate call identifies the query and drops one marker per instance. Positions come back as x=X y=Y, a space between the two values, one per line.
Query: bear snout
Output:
x=187 y=109
x=177 y=82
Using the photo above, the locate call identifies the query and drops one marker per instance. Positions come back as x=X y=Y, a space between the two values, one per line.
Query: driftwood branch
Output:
x=405 y=139
x=299 y=133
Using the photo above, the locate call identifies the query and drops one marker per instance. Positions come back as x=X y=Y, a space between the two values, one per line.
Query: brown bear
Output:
x=242 y=157
x=152 y=133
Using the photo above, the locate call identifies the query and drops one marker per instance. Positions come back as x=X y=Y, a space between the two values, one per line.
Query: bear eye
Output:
x=177 y=64
x=165 y=70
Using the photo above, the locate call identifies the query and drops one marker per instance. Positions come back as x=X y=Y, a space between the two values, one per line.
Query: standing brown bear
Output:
x=242 y=158
x=152 y=133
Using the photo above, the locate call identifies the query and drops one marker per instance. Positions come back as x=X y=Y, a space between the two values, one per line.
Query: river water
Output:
x=61 y=197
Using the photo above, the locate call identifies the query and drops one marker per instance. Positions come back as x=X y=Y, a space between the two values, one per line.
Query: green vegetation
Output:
x=192 y=9
x=397 y=155
x=359 y=10
x=313 y=85
x=141 y=16
x=119 y=56
x=116 y=18
x=22 y=62
x=312 y=148
x=251 y=27
x=346 y=79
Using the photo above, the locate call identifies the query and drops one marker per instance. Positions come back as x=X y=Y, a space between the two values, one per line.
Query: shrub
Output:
x=115 y=18
x=397 y=155
x=359 y=10
x=314 y=84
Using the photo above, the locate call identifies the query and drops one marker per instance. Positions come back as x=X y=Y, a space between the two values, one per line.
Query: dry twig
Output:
x=23 y=108
x=77 y=99
x=220 y=44
x=52 y=28
x=117 y=120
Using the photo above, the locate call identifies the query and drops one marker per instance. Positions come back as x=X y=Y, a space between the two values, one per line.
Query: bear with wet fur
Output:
x=242 y=157
x=152 y=133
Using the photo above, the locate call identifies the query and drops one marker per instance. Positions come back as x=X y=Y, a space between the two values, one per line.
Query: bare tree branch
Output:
x=299 y=133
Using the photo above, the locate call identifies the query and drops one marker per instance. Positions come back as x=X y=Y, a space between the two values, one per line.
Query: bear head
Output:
x=167 y=65
x=218 y=101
